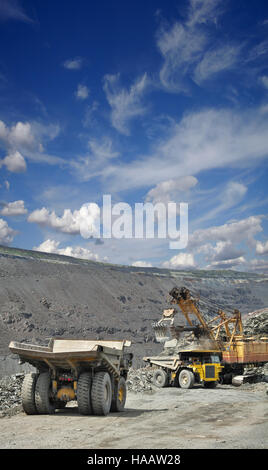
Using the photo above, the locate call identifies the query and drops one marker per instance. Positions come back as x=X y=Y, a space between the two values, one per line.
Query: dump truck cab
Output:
x=205 y=367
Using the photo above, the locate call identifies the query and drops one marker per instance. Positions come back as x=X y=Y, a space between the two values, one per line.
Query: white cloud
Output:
x=100 y=154
x=12 y=10
x=220 y=252
x=13 y=208
x=142 y=264
x=183 y=44
x=227 y=264
x=82 y=92
x=52 y=246
x=226 y=198
x=14 y=162
x=182 y=260
x=25 y=139
x=6 y=233
x=232 y=233
x=126 y=104
x=201 y=141
x=262 y=248
x=83 y=221
x=264 y=81
x=171 y=190
x=215 y=61
x=73 y=64
x=21 y=135
x=258 y=265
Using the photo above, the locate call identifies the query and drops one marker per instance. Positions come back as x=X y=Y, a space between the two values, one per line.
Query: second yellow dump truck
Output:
x=187 y=367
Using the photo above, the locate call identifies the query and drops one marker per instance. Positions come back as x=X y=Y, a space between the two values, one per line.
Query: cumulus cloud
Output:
x=220 y=245
x=262 y=248
x=13 y=208
x=233 y=232
x=7 y=234
x=82 y=92
x=14 y=162
x=25 y=140
x=52 y=246
x=73 y=64
x=142 y=264
x=84 y=221
x=126 y=104
x=180 y=261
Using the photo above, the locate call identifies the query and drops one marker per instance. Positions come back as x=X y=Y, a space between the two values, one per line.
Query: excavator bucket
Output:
x=162 y=332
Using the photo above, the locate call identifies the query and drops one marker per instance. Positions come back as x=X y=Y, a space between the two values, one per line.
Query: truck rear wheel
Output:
x=101 y=393
x=160 y=378
x=28 y=393
x=120 y=395
x=43 y=394
x=186 y=378
x=84 y=393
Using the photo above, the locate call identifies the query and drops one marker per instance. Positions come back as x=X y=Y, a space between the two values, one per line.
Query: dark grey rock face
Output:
x=43 y=296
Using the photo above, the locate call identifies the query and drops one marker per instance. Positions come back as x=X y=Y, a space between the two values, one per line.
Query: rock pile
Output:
x=10 y=394
x=140 y=380
x=257 y=323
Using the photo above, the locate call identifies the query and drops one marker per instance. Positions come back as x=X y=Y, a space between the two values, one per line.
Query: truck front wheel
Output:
x=186 y=378
x=120 y=395
x=101 y=393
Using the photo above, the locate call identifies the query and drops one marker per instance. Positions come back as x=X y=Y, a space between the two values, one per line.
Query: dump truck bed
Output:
x=72 y=353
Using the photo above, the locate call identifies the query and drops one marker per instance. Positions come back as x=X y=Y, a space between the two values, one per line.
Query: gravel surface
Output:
x=222 y=418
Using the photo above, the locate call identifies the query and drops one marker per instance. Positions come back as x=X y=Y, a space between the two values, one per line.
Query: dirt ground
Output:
x=223 y=418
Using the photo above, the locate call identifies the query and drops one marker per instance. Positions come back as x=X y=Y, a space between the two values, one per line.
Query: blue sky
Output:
x=150 y=101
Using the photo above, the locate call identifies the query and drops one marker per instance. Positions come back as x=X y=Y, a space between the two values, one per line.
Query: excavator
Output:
x=210 y=352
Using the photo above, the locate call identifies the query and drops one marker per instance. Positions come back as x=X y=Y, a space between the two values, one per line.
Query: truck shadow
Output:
x=127 y=413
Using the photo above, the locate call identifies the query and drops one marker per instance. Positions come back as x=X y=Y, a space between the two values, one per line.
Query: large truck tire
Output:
x=160 y=378
x=186 y=378
x=120 y=395
x=101 y=393
x=28 y=393
x=84 y=393
x=43 y=399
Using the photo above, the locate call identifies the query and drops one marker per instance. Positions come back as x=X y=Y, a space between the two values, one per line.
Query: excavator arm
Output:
x=189 y=308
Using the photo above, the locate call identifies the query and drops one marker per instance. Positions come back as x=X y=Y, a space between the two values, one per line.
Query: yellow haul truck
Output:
x=91 y=372
x=186 y=368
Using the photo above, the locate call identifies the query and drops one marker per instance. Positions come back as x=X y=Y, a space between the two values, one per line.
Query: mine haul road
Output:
x=170 y=418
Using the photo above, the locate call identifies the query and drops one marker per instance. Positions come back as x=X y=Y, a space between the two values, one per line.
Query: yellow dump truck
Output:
x=91 y=372
x=187 y=367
